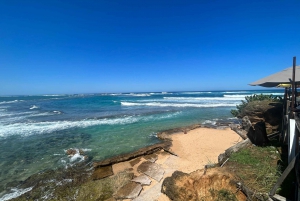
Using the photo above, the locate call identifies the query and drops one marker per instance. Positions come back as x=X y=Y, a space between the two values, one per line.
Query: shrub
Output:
x=252 y=98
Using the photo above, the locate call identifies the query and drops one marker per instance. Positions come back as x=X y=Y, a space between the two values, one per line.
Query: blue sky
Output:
x=54 y=47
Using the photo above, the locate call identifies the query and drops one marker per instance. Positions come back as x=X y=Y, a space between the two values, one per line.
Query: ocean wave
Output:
x=7 y=102
x=160 y=117
x=196 y=92
x=159 y=104
x=53 y=95
x=237 y=96
x=33 y=107
x=16 y=193
x=235 y=92
x=211 y=122
x=138 y=94
x=17 y=114
x=77 y=157
x=26 y=129
x=206 y=98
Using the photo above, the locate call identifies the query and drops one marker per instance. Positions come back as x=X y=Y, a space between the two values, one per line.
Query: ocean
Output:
x=36 y=131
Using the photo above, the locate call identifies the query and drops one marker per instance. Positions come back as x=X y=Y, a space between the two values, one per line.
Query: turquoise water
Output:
x=35 y=131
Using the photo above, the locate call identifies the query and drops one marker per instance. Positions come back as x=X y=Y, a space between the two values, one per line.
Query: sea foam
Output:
x=33 y=107
x=26 y=129
x=16 y=193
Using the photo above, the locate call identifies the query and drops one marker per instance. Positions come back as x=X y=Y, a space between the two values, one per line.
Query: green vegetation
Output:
x=253 y=98
x=222 y=195
x=257 y=167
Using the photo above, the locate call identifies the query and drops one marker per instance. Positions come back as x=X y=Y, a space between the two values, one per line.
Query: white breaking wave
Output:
x=206 y=98
x=237 y=96
x=77 y=156
x=157 y=104
x=210 y=122
x=197 y=92
x=53 y=95
x=234 y=92
x=16 y=193
x=134 y=94
x=26 y=129
x=160 y=117
x=33 y=107
x=6 y=102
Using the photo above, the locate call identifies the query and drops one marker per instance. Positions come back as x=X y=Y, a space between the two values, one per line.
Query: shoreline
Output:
x=165 y=144
x=185 y=149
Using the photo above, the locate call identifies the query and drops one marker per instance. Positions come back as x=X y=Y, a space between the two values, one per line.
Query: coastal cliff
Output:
x=264 y=111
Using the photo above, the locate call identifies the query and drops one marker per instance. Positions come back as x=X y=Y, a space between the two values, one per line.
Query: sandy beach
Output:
x=201 y=146
x=194 y=149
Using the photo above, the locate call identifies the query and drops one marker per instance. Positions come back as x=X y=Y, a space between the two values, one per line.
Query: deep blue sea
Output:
x=36 y=131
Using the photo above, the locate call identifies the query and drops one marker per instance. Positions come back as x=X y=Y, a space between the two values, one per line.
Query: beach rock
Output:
x=130 y=191
x=71 y=152
x=152 y=158
x=153 y=170
x=199 y=186
x=141 y=152
x=142 y=179
x=102 y=172
x=134 y=162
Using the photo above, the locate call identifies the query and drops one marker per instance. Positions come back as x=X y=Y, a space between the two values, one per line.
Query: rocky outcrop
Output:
x=264 y=111
x=214 y=184
x=141 y=152
x=102 y=172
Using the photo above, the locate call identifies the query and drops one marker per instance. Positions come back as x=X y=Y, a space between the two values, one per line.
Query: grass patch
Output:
x=222 y=195
x=258 y=167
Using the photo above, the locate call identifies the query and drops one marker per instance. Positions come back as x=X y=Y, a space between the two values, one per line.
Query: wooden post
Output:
x=293 y=84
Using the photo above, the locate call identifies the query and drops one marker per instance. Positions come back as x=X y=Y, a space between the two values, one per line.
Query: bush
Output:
x=252 y=98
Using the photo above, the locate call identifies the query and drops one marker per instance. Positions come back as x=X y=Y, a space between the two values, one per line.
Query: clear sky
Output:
x=94 y=46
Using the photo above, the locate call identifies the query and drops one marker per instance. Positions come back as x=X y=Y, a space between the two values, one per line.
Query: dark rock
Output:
x=141 y=152
x=130 y=191
x=71 y=152
x=81 y=152
x=135 y=161
x=152 y=158
x=102 y=172
x=258 y=135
